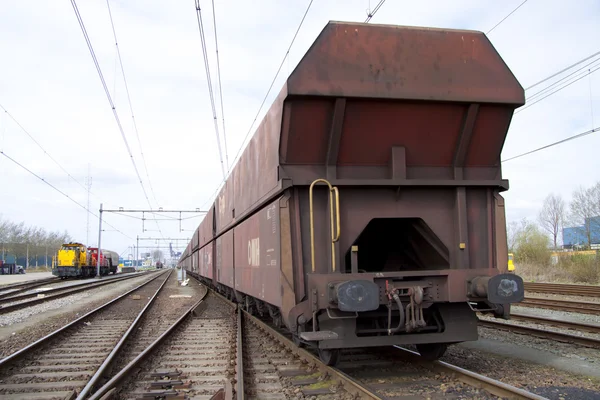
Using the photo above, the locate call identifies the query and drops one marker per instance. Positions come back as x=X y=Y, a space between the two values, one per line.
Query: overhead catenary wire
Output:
x=263 y=101
x=112 y=105
x=554 y=88
x=589 y=72
x=561 y=80
x=59 y=191
x=563 y=70
x=577 y=136
x=220 y=86
x=112 y=24
x=505 y=18
x=272 y=82
x=371 y=13
x=209 y=82
x=45 y=152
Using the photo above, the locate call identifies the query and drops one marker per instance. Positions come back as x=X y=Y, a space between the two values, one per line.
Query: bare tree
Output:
x=18 y=240
x=552 y=215
x=512 y=230
x=157 y=255
x=583 y=209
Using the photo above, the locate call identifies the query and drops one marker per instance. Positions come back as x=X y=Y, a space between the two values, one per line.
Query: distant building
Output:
x=576 y=236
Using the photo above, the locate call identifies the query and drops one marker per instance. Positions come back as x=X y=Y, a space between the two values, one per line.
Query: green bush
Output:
x=582 y=268
x=531 y=245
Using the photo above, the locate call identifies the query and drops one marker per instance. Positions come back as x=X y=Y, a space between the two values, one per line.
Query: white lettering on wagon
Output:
x=254 y=252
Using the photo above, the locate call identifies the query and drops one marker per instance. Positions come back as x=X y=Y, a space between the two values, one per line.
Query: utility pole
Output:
x=137 y=251
x=46 y=262
x=99 y=241
x=27 y=255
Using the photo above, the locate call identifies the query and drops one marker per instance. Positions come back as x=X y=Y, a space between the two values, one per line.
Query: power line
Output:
x=579 y=135
x=370 y=14
x=503 y=19
x=208 y=80
x=129 y=100
x=555 y=84
x=273 y=82
x=557 y=90
x=265 y=98
x=44 y=150
x=112 y=105
x=58 y=190
x=220 y=87
x=563 y=70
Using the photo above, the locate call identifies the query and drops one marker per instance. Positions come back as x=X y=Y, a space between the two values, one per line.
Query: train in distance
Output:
x=366 y=210
x=76 y=260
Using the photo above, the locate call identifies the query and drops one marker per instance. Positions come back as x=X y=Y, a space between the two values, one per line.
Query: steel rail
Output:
x=109 y=388
x=561 y=288
x=67 y=292
x=542 y=333
x=562 y=305
x=556 y=322
x=493 y=386
x=24 y=286
x=239 y=368
x=44 y=339
x=110 y=358
x=354 y=387
x=349 y=384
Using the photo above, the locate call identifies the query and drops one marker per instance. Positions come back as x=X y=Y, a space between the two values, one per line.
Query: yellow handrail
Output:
x=337 y=215
x=335 y=233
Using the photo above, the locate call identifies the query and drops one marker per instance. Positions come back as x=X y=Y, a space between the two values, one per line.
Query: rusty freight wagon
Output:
x=366 y=209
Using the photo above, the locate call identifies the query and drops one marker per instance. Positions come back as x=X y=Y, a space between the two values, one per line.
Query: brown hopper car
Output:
x=366 y=209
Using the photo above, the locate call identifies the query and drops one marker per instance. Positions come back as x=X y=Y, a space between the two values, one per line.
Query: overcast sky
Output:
x=49 y=84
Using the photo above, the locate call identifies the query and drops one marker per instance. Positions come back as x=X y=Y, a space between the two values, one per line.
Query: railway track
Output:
x=547 y=334
x=73 y=357
x=20 y=301
x=578 y=326
x=385 y=373
x=562 y=305
x=19 y=288
x=16 y=288
x=565 y=289
x=177 y=356
x=210 y=351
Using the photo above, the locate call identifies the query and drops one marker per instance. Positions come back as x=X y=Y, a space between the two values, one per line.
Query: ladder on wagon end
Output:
x=334 y=217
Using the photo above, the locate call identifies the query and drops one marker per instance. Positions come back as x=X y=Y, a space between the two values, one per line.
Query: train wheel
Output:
x=329 y=356
x=432 y=351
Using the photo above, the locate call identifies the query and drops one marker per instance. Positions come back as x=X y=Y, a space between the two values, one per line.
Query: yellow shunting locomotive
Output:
x=77 y=260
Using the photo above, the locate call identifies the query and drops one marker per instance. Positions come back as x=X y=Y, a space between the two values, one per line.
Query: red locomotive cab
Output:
x=94 y=258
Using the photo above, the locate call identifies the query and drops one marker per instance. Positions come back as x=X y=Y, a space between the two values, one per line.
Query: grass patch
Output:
x=321 y=385
x=581 y=269
x=310 y=376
